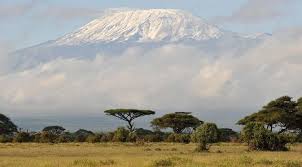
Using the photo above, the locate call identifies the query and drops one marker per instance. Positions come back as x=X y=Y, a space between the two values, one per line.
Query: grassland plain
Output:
x=142 y=155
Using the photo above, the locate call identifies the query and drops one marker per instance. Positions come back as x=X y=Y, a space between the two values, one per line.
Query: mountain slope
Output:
x=143 y=26
x=117 y=31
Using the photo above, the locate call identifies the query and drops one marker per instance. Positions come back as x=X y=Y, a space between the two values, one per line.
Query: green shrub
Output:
x=259 y=138
x=37 y=137
x=153 y=138
x=182 y=138
x=65 y=138
x=47 y=137
x=227 y=135
x=206 y=133
x=93 y=138
x=121 y=135
x=171 y=138
x=6 y=138
x=81 y=135
x=132 y=137
x=22 y=137
x=107 y=137
x=80 y=138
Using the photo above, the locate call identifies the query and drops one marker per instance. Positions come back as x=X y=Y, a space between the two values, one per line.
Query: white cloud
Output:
x=255 y=11
x=170 y=78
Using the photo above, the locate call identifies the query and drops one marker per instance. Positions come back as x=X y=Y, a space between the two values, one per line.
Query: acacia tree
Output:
x=55 y=130
x=179 y=122
x=6 y=125
x=281 y=113
x=128 y=115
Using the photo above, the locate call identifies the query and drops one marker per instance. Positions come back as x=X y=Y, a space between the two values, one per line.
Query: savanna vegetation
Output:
x=268 y=137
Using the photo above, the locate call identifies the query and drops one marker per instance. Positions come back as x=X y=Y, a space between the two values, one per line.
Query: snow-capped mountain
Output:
x=143 y=26
x=118 y=30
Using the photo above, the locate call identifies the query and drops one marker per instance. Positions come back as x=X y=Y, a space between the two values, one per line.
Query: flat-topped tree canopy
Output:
x=178 y=121
x=128 y=115
x=56 y=130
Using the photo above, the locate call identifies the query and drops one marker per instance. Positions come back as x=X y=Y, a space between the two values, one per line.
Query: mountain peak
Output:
x=142 y=26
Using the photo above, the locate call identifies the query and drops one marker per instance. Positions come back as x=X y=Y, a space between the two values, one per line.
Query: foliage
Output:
x=179 y=122
x=178 y=138
x=260 y=138
x=6 y=138
x=93 y=138
x=143 y=132
x=128 y=115
x=7 y=127
x=132 y=137
x=107 y=137
x=120 y=135
x=282 y=114
x=206 y=133
x=81 y=135
x=227 y=135
x=66 y=137
x=155 y=137
x=54 y=130
x=47 y=137
x=22 y=137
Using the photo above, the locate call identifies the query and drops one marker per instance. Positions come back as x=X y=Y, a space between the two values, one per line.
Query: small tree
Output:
x=260 y=138
x=7 y=127
x=129 y=115
x=206 y=133
x=55 y=130
x=82 y=134
x=179 y=122
x=280 y=114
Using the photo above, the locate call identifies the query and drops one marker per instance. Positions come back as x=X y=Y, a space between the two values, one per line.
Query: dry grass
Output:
x=147 y=155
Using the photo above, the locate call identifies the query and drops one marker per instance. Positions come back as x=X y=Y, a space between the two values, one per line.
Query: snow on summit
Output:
x=143 y=26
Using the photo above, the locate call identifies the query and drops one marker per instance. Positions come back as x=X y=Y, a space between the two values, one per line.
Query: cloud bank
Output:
x=255 y=11
x=166 y=79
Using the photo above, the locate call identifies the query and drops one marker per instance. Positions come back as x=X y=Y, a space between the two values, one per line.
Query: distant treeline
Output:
x=271 y=128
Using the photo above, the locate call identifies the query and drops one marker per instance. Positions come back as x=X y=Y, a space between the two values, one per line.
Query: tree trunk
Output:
x=130 y=126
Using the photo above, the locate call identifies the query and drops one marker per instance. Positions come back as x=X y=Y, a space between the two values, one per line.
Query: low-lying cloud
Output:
x=166 y=79
x=255 y=11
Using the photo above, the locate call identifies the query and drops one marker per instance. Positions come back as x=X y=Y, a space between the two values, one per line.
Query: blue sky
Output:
x=28 y=22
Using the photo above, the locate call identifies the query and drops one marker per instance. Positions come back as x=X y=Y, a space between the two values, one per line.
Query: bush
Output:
x=121 y=135
x=6 y=138
x=93 y=138
x=107 y=137
x=132 y=137
x=47 y=137
x=206 y=133
x=82 y=134
x=171 y=138
x=153 y=138
x=259 y=138
x=22 y=137
x=37 y=137
x=227 y=135
x=65 y=138
x=178 y=138
x=182 y=138
x=80 y=138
